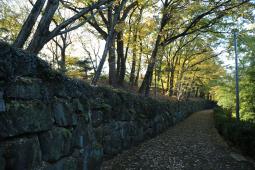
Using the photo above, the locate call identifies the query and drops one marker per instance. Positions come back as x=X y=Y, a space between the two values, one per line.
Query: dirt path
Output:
x=193 y=144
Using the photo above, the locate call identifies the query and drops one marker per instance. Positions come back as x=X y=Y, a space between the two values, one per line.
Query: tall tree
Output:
x=200 y=19
x=42 y=33
x=29 y=24
x=109 y=41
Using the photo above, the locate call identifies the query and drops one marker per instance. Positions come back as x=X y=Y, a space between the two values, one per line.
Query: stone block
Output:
x=68 y=163
x=64 y=113
x=81 y=107
x=83 y=134
x=94 y=157
x=112 y=142
x=26 y=88
x=99 y=134
x=22 y=153
x=97 y=118
x=24 y=117
x=2 y=159
x=55 y=144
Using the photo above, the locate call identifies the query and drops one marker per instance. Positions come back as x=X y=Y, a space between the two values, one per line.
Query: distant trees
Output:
x=110 y=23
x=9 y=21
x=198 y=16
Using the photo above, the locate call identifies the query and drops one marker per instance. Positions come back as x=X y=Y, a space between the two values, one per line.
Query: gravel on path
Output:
x=193 y=144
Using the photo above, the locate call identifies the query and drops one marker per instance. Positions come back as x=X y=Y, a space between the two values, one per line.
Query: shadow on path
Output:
x=193 y=144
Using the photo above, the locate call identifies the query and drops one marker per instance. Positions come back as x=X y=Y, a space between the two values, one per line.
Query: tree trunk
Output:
x=121 y=64
x=171 y=83
x=112 y=64
x=132 y=73
x=118 y=64
x=109 y=41
x=122 y=67
x=155 y=82
x=197 y=91
x=168 y=81
x=63 y=60
x=145 y=87
x=139 y=63
x=29 y=24
x=133 y=67
x=162 y=86
x=108 y=44
x=112 y=56
x=41 y=36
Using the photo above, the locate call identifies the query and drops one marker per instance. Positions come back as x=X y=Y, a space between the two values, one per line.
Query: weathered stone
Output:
x=24 y=117
x=89 y=158
x=22 y=154
x=65 y=87
x=15 y=62
x=64 y=113
x=74 y=88
x=58 y=89
x=25 y=63
x=81 y=107
x=2 y=159
x=94 y=157
x=69 y=163
x=55 y=144
x=26 y=88
x=139 y=137
x=109 y=96
x=158 y=123
x=132 y=130
x=125 y=135
x=124 y=114
x=99 y=134
x=108 y=146
x=2 y=103
x=148 y=133
x=83 y=134
x=101 y=106
x=97 y=118
x=112 y=142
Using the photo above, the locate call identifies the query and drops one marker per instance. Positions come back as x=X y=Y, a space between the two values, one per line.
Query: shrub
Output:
x=240 y=133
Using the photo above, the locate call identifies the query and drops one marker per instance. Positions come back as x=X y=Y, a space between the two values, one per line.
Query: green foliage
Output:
x=10 y=22
x=224 y=93
x=77 y=68
x=241 y=134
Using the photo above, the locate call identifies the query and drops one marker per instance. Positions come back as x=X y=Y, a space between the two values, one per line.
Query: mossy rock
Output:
x=55 y=143
x=67 y=163
x=81 y=107
x=25 y=117
x=22 y=153
x=95 y=105
x=64 y=113
x=26 y=88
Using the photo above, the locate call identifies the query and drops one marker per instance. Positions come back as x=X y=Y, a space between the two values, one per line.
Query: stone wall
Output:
x=50 y=122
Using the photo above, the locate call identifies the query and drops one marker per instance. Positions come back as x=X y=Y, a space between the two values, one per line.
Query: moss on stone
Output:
x=97 y=146
x=66 y=133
